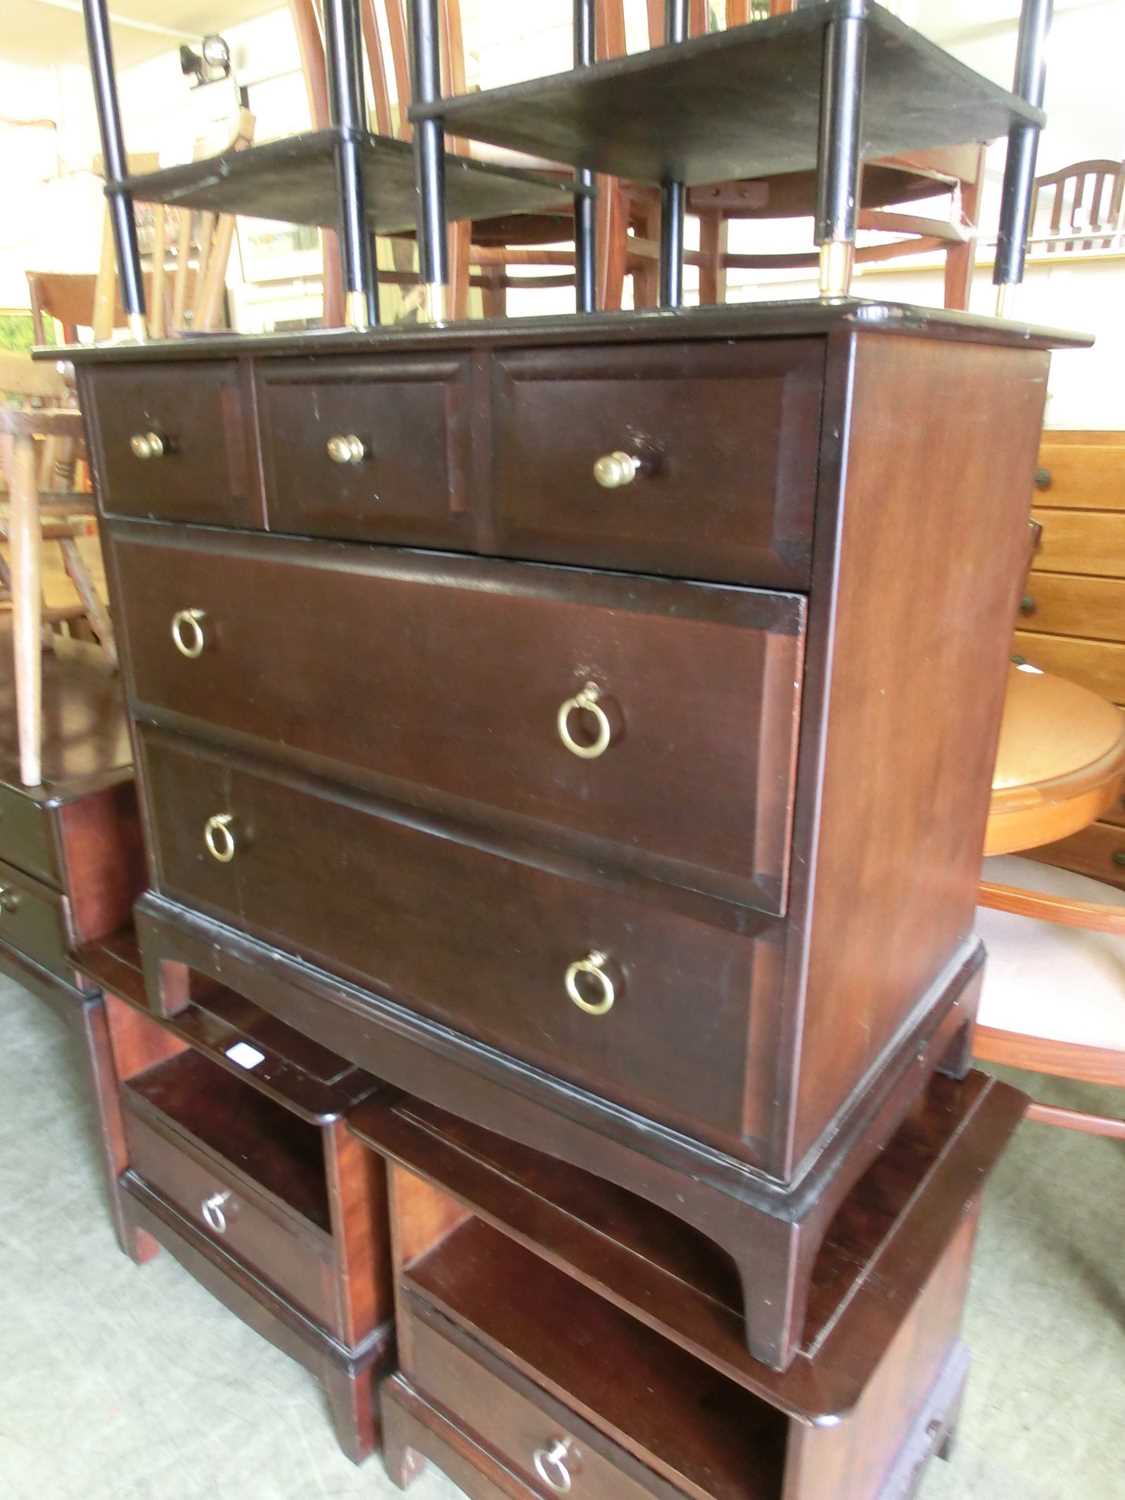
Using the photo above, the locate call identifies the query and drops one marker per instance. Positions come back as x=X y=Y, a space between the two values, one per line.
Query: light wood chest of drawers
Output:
x=641 y=814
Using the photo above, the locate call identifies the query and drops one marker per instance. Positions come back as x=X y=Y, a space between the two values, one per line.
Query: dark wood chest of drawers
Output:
x=586 y=726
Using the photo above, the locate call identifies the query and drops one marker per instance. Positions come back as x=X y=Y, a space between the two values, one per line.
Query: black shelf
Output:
x=294 y=180
x=736 y=104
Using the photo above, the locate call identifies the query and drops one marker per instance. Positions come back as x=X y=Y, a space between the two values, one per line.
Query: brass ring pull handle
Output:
x=9 y=899
x=212 y=1211
x=613 y=470
x=550 y=1465
x=218 y=837
x=187 y=632
x=146 y=445
x=587 y=702
x=593 y=966
x=346 y=448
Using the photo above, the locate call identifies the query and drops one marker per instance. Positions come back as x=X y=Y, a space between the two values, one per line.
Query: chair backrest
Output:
x=187 y=253
x=1080 y=207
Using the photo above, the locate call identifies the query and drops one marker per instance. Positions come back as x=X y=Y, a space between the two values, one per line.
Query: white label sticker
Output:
x=245 y=1056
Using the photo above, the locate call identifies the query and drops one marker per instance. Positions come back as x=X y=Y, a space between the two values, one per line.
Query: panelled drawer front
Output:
x=198 y=414
x=443 y=678
x=477 y=940
x=544 y=1452
x=376 y=450
x=32 y=921
x=297 y=1265
x=25 y=835
x=727 y=436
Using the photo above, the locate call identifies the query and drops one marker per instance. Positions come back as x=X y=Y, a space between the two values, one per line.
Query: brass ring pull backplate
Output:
x=218 y=837
x=592 y=967
x=587 y=702
x=146 y=445
x=550 y=1465
x=187 y=632
x=346 y=448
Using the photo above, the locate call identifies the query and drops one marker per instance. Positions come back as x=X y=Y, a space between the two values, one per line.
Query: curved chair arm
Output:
x=1095 y=915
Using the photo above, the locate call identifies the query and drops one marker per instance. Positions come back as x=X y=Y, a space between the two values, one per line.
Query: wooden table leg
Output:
x=26 y=605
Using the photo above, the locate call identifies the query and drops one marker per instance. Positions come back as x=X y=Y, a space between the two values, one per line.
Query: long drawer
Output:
x=297 y=1261
x=601 y=985
x=642 y=722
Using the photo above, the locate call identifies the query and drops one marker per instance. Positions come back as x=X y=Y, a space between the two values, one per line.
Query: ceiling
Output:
x=51 y=31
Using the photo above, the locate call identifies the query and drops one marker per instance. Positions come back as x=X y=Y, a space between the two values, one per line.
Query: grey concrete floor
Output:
x=127 y=1383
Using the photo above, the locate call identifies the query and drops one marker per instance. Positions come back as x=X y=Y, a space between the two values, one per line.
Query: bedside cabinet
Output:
x=224 y=1143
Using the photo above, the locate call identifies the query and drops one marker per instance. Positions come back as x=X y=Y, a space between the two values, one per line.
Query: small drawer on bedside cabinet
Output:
x=695 y=460
x=33 y=922
x=183 y=1119
x=173 y=442
x=25 y=834
x=374 y=450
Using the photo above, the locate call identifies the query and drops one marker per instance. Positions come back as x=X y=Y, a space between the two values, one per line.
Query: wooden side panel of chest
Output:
x=918 y=574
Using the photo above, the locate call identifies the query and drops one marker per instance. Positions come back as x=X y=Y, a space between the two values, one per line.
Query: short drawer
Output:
x=468 y=686
x=710 y=454
x=1081 y=541
x=173 y=442
x=1063 y=604
x=665 y=1012
x=296 y=1261
x=376 y=450
x=33 y=922
x=25 y=835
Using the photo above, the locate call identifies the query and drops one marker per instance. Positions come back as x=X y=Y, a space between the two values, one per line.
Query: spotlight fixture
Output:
x=209 y=64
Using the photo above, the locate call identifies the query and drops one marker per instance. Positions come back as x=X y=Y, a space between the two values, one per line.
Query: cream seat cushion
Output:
x=1044 y=980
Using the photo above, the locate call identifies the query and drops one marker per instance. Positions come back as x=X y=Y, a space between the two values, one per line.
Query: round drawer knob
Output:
x=212 y=1211
x=1043 y=479
x=187 y=632
x=9 y=899
x=551 y=1465
x=613 y=470
x=346 y=448
x=1118 y=859
x=590 y=973
x=146 y=445
x=218 y=837
x=585 y=702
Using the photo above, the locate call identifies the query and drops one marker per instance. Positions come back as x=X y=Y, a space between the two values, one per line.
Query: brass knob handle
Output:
x=551 y=1465
x=146 y=445
x=187 y=632
x=585 y=702
x=592 y=967
x=1043 y=479
x=1118 y=859
x=9 y=899
x=218 y=837
x=1028 y=605
x=212 y=1212
x=613 y=470
x=346 y=448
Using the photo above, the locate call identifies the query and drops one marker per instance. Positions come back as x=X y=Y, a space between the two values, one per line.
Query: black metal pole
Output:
x=343 y=55
x=837 y=173
x=118 y=197
x=672 y=194
x=585 y=219
x=1023 y=145
x=429 y=155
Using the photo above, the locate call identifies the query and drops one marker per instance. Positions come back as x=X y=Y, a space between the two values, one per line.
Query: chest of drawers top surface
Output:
x=595 y=685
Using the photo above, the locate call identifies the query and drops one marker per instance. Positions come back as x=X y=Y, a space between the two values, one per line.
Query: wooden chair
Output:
x=1054 y=990
x=1080 y=207
x=482 y=253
